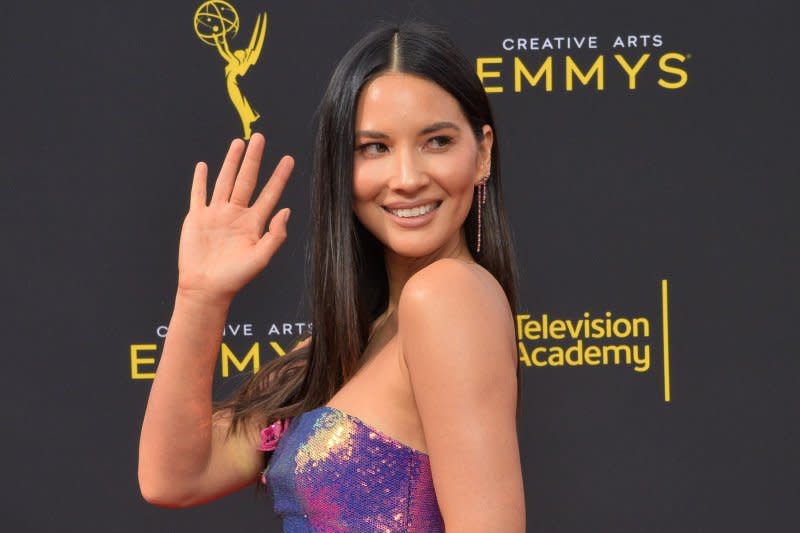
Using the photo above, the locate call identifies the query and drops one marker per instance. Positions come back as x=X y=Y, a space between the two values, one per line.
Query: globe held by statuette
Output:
x=214 y=20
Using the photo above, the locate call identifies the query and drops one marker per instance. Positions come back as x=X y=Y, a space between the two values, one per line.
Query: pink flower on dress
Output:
x=271 y=434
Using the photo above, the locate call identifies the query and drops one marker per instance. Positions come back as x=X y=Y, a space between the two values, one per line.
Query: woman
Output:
x=399 y=412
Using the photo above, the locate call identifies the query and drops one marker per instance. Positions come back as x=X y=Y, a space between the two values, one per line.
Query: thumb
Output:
x=269 y=243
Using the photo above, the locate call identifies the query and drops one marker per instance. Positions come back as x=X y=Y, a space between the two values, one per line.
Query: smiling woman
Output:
x=412 y=369
x=416 y=166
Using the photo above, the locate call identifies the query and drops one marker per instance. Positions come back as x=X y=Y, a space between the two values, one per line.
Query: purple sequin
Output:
x=332 y=473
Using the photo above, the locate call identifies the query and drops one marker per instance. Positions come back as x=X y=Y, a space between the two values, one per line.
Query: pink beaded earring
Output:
x=481 y=201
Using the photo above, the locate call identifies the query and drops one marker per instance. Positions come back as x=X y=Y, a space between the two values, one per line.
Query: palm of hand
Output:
x=223 y=245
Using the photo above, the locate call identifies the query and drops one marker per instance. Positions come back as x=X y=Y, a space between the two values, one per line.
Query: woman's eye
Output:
x=441 y=141
x=372 y=148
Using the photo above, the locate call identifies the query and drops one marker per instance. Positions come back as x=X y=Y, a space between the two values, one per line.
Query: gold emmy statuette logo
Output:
x=214 y=20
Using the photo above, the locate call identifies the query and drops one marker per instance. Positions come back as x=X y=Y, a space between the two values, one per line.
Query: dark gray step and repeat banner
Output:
x=649 y=155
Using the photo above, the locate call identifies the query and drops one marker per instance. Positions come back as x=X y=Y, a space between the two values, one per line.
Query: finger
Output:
x=274 y=237
x=197 y=198
x=248 y=173
x=227 y=174
x=272 y=191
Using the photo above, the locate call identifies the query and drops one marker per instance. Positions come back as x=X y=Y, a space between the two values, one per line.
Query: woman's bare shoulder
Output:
x=461 y=298
x=457 y=340
x=460 y=282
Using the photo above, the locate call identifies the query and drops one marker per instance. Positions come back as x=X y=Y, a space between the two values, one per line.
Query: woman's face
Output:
x=416 y=164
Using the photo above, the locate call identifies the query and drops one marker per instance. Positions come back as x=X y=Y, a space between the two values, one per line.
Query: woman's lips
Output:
x=414 y=221
x=416 y=210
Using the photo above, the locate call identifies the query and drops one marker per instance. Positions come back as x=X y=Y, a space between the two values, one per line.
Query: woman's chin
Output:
x=410 y=250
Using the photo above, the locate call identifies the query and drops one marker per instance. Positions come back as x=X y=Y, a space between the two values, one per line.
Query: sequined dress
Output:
x=330 y=472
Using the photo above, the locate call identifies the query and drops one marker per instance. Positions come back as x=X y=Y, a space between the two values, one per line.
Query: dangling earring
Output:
x=481 y=201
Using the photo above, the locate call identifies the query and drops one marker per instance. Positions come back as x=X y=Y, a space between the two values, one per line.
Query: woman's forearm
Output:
x=176 y=437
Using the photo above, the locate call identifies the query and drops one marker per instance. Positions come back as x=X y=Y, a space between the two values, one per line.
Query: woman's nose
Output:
x=408 y=172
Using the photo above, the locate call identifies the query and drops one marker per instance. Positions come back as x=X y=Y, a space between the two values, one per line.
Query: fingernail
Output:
x=288 y=212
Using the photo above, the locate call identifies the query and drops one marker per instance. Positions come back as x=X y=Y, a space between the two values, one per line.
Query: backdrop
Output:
x=649 y=162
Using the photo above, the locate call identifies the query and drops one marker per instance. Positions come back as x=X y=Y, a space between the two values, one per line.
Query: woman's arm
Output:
x=184 y=456
x=457 y=336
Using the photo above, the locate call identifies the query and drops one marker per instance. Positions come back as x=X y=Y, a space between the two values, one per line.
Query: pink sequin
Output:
x=333 y=473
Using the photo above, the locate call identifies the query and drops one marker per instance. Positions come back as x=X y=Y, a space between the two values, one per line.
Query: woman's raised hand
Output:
x=223 y=244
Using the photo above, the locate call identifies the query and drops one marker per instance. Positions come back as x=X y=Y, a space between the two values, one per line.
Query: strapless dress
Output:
x=330 y=472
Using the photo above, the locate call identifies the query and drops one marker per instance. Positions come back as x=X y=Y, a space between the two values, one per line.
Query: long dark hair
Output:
x=347 y=273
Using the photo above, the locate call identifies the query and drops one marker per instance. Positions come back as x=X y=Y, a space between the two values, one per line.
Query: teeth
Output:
x=414 y=212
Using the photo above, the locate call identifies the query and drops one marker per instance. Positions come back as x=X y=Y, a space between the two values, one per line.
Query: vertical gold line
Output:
x=665 y=333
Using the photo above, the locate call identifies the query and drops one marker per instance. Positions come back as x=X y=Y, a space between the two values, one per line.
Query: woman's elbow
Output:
x=161 y=493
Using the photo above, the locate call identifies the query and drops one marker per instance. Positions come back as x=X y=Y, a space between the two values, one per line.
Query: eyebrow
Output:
x=436 y=126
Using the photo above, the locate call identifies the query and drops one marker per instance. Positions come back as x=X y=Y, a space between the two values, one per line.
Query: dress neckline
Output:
x=370 y=428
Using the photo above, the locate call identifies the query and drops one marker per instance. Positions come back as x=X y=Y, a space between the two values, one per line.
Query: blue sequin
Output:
x=330 y=473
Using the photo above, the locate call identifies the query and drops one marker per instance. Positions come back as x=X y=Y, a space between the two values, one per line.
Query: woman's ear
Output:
x=485 y=152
